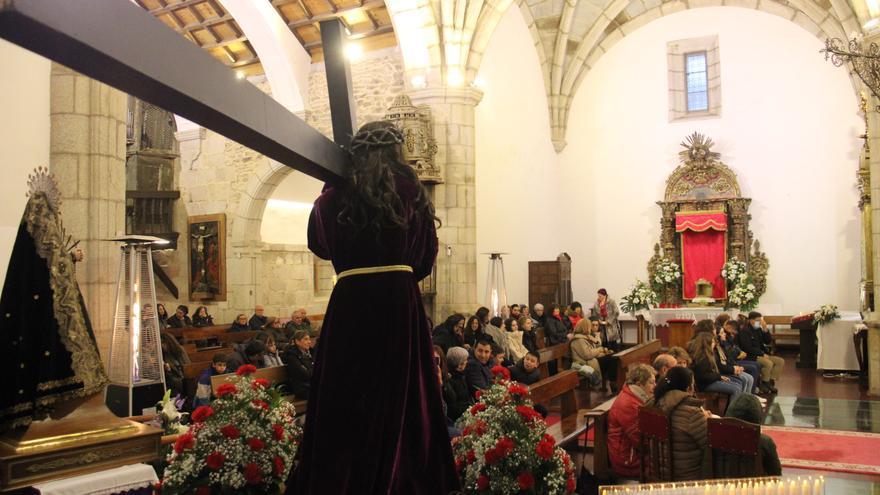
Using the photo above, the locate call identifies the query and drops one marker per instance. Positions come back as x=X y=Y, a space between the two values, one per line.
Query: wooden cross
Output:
x=120 y=44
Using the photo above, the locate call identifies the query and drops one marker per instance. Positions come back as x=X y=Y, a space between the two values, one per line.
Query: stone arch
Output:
x=614 y=24
x=250 y=209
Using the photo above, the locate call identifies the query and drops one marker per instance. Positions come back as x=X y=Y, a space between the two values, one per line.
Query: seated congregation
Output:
x=195 y=349
x=717 y=383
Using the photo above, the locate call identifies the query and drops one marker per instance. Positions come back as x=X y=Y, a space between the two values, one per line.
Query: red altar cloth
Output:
x=703 y=251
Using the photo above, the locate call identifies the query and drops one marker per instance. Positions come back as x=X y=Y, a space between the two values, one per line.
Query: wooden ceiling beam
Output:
x=222 y=43
x=165 y=9
x=368 y=4
x=372 y=19
x=375 y=32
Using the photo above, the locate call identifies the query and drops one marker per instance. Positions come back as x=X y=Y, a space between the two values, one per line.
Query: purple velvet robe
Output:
x=375 y=423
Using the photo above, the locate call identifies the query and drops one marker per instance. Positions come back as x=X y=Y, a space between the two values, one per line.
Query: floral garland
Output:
x=244 y=442
x=667 y=274
x=504 y=447
x=826 y=314
x=640 y=297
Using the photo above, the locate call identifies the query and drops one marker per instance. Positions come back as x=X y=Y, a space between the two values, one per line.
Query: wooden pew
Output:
x=785 y=335
x=597 y=419
x=205 y=356
x=230 y=338
x=540 y=337
x=714 y=402
x=562 y=385
x=276 y=375
x=639 y=353
x=557 y=353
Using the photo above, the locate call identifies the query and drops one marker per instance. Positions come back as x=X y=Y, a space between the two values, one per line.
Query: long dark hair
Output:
x=371 y=199
x=677 y=378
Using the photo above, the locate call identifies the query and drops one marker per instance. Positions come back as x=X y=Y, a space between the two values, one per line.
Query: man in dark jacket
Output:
x=747 y=408
x=753 y=339
x=251 y=353
x=258 y=320
x=300 y=364
x=479 y=371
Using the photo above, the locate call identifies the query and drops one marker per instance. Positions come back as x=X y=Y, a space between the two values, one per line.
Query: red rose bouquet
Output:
x=244 y=442
x=504 y=447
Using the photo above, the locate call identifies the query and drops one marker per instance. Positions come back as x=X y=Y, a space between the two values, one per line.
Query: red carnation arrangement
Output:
x=244 y=442
x=505 y=448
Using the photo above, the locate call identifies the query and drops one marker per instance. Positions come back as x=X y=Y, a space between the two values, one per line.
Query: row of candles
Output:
x=748 y=486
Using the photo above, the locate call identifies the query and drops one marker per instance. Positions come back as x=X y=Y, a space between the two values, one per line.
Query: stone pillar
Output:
x=454 y=200
x=88 y=133
x=873 y=357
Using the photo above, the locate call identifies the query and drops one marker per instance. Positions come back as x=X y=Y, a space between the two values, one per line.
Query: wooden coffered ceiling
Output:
x=207 y=24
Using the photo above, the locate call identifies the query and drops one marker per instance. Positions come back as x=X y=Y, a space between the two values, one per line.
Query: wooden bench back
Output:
x=561 y=385
x=237 y=337
x=734 y=448
x=192 y=371
x=655 y=446
x=639 y=353
x=205 y=356
x=597 y=419
x=540 y=338
x=555 y=353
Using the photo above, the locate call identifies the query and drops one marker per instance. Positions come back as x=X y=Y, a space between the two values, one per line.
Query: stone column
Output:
x=454 y=200
x=88 y=133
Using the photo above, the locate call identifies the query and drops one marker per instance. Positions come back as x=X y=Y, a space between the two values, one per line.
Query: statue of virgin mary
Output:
x=50 y=353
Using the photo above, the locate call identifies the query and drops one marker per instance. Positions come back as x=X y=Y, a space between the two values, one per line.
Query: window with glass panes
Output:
x=696 y=80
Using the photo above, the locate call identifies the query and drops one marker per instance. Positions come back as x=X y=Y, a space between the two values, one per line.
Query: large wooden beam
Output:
x=339 y=89
x=139 y=55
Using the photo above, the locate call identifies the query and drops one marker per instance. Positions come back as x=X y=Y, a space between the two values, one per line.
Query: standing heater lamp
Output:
x=137 y=377
x=496 y=289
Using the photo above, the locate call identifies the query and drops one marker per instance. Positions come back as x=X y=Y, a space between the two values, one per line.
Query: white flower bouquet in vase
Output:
x=639 y=300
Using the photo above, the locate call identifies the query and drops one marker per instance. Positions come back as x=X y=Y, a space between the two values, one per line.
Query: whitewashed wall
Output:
x=518 y=184
x=24 y=136
x=789 y=129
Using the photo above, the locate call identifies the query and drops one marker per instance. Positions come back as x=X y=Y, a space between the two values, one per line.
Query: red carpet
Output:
x=845 y=451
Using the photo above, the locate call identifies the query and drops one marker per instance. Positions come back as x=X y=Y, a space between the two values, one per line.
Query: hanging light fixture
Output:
x=496 y=289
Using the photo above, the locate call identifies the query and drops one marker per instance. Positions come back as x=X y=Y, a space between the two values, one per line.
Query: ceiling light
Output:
x=454 y=78
x=418 y=81
x=240 y=74
x=354 y=51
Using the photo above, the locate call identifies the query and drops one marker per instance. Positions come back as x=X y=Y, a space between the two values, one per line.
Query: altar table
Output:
x=134 y=478
x=836 y=348
x=659 y=316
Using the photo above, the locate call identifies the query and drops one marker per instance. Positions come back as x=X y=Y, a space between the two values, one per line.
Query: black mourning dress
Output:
x=49 y=350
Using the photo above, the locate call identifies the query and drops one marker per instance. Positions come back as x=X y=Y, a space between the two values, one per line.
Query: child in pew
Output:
x=203 y=390
x=526 y=372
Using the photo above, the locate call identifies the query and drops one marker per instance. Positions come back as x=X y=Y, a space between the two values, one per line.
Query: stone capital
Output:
x=432 y=96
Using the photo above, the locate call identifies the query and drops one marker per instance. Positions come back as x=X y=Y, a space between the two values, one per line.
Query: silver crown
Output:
x=41 y=181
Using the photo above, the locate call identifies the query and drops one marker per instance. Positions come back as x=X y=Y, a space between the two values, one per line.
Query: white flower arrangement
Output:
x=734 y=271
x=742 y=296
x=640 y=297
x=667 y=274
x=826 y=314
x=244 y=442
x=504 y=447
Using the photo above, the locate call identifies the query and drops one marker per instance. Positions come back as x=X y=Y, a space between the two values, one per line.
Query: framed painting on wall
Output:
x=207 y=257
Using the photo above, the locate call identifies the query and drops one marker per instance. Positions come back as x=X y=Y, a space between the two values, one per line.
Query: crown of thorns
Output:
x=366 y=140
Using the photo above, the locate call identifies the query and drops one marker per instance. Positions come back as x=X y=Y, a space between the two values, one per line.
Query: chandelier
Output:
x=863 y=60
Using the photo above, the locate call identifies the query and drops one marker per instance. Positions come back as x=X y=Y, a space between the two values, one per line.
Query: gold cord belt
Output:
x=373 y=269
